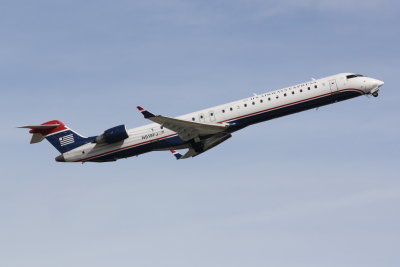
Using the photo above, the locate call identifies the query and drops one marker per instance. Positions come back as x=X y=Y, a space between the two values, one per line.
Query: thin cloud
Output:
x=258 y=9
x=310 y=208
x=193 y=13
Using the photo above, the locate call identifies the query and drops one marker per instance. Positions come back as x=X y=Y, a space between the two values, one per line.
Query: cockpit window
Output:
x=354 y=76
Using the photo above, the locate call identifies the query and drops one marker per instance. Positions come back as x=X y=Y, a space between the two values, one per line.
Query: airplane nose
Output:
x=375 y=84
x=60 y=158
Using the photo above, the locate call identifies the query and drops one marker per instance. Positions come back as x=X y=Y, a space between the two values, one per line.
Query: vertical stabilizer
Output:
x=58 y=134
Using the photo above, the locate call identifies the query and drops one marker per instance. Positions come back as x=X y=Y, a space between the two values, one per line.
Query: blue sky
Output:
x=318 y=188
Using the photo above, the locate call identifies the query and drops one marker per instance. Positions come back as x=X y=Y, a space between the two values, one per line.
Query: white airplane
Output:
x=201 y=130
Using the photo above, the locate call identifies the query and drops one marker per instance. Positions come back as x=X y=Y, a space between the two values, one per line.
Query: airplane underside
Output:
x=201 y=130
x=175 y=142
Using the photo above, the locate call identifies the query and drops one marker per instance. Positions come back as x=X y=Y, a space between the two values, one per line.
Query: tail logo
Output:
x=66 y=139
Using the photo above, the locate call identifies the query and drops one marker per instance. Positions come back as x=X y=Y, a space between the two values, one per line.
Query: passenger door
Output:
x=333 y=86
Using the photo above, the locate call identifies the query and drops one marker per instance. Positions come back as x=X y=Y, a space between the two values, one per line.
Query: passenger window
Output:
x=301 y=90
x=315 y=86
x=308 y=88
x=269 y=99
x=253 y=103
x=261 y=101
x=284 y=94
x=292 y=92
x=231 y=109
x=223 y=111
x=245 y=105
x=193 y=119
x=277 y=97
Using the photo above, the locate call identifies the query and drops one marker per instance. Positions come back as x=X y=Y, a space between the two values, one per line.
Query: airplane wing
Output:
x=176 y=154
x=206 y=144
x=186 y=130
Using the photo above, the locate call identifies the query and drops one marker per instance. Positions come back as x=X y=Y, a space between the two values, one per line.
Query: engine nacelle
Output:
x=113 y=135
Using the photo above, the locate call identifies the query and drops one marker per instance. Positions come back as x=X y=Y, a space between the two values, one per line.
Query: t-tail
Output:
x=58 y=134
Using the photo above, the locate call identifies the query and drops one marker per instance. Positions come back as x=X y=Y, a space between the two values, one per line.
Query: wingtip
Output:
x=145 y=112
x=176 y=154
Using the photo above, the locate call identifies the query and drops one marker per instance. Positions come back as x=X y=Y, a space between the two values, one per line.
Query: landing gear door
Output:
x=333 y=86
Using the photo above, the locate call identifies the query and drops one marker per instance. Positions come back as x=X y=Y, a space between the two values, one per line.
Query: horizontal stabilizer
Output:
x=38 y=130
x=40 y=127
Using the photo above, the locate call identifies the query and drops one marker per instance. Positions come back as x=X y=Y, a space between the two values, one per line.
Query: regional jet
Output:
x=201 y=130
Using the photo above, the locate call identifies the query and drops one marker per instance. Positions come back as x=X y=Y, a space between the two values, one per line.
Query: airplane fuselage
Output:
x=237 y=115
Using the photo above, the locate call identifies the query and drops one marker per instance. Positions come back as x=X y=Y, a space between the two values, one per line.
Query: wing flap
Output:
x=190 y=153
x=207 y=144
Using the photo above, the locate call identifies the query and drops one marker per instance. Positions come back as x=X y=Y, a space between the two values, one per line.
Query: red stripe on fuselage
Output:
x=239 y=117
x=289 y=104
x=123 y=148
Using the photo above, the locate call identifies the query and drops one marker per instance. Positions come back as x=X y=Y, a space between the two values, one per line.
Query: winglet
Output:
x=176 y=154
x=145 y=113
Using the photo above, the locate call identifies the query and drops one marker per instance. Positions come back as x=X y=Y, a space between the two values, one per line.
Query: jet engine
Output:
x=112 y=135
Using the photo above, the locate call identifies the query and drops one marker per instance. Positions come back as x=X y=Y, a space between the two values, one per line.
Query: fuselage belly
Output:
x=204 y=129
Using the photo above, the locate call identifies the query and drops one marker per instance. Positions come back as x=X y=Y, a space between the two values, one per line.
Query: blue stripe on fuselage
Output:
x=172 y=141
x=238 y=124
x=290 y=109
